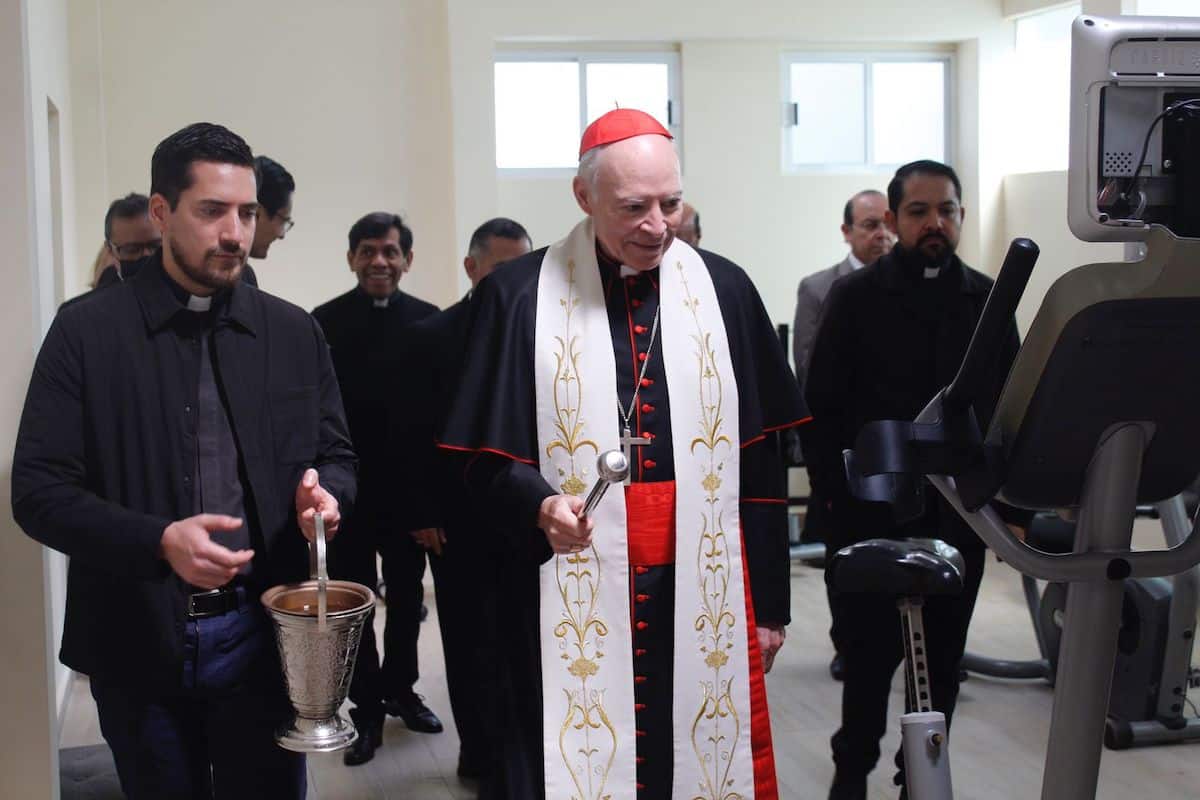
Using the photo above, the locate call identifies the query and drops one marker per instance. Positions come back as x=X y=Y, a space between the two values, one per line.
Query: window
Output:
x=1167 y=8
x=1040 y=133
x=855 y=111
x=545 y=100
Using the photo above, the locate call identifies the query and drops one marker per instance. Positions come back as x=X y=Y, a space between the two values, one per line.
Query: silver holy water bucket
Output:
x=318 y=624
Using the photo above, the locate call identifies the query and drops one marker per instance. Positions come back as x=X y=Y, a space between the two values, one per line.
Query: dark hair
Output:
x=128 y=207
x=376 y=226
x=275 y=184
x=502 y=227
x=171 y=164
x=848 y=212
x=895 y=192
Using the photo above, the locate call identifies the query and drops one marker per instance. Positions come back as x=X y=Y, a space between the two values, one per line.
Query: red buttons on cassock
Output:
x=639 y=329
x=641 y=356
x=639 y=678
x=647 y=408
x=639 y=707
x=636 y=303
x=641 y=570
x=639 y=652
x=640 y=787
x=641 y=626
x=639 y=760
x=647 y=381
x=641 y=598
x=647 y=434
x=640 y=733
x=649 y=463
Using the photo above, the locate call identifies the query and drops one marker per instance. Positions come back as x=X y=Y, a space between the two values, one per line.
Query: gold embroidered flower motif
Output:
x=583 y=668
x=711 y=482
x=573 y=485
x=716 y=659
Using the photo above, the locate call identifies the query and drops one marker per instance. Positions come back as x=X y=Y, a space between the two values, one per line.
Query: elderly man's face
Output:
x=868 y=236
x=635 y=200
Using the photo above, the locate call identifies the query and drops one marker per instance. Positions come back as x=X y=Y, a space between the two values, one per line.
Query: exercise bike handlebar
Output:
x=993 y=325
x=1090 y=566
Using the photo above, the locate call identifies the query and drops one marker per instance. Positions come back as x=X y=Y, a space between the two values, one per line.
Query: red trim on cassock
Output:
x=774 y=428
x=780 y=501
x=762 y=750
x=478 y=450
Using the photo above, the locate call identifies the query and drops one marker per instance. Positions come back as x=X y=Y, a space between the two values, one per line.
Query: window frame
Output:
x=669 y=57
x=867 y=58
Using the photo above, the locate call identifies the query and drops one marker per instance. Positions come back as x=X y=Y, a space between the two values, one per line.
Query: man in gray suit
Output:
x=869 y=238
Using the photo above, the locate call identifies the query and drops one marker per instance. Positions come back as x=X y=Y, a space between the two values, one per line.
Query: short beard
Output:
x=929 y=260
x=207 y=274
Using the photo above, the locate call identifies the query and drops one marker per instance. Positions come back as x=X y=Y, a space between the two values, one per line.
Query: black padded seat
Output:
x=902 y=568
x=1050 y=533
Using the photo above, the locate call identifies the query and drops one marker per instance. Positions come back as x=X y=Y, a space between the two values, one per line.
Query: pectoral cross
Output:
x=628 y=440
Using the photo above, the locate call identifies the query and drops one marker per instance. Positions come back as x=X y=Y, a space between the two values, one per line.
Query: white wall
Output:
x=33 y=71
x=780 y=227
x=351 y=97
x=1035 y=207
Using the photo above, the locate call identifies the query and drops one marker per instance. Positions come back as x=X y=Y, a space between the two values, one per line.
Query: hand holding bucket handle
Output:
x=318 y=572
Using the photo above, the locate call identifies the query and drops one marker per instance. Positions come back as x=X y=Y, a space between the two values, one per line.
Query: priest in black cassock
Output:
x=641 y=632
x=364 y=328
x=431 y=496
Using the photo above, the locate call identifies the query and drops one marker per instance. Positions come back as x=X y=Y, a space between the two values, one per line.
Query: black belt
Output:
x=215 y=603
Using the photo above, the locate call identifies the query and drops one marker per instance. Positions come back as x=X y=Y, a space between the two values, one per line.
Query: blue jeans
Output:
x=214 y=738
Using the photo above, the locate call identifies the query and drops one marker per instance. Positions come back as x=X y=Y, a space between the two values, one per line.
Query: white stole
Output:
x=586 y=645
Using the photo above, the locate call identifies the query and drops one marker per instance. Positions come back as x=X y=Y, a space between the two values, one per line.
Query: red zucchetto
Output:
x=619 y=124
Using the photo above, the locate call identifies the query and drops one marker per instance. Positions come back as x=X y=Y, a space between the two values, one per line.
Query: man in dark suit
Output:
x=364 y=328
x=182 y=429
x=455 y=533
x=869 y=238
x=891 y=336
x=276 y=188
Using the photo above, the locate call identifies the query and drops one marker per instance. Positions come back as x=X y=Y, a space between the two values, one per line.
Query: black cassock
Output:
x=367 y=342
x=431 y=494
x=492 y=424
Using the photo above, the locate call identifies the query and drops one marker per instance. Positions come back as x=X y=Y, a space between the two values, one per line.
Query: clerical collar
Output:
x=378 y=302
x=194 y=302
x=610 y=264
x=918 y=267
x=855 y=263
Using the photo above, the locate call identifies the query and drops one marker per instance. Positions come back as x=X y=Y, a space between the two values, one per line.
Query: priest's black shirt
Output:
x=367 y=341
x=106 y=455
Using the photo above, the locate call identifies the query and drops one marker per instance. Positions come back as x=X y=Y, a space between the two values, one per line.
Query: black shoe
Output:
x=845 y=788
x=363 y=749
x=469 y=766
x=837 y=667
x=414 y=712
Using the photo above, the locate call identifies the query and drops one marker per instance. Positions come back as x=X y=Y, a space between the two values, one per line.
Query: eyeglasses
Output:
x=135 y=250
